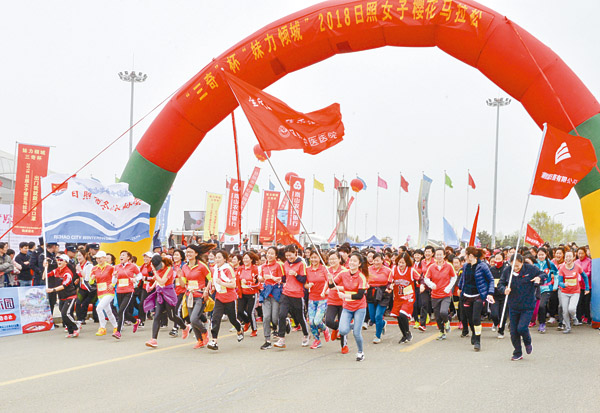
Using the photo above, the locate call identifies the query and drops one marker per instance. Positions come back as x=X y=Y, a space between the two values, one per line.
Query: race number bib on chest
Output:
x=123 y=282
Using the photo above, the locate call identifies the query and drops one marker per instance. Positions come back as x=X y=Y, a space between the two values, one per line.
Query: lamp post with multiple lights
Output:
x=133 y=78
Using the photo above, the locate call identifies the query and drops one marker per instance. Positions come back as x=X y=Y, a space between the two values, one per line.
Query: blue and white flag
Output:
x=88 y=211
x=162 y=220
x=271 y=186
x=450 y=237
x=466 y=237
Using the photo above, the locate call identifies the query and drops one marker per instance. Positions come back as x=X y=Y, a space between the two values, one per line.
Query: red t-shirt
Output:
x=146 y=270
x=161 y=273
x=126 y=277
x=352 y=283
x=179 y=279
x=195 y=277
x=248 y=282
x=104 y=278
x=333 y=298
x=379 y=277
x=293 y=287
x=318 y=277
x=440 y=276
x=570 y=278
x=403 y=282
x=275 y=269
x=224 y=274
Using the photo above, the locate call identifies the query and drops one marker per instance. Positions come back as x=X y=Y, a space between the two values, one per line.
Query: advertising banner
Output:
x=24 y=310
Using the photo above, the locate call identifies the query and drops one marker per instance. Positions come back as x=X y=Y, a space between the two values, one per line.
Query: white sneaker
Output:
x=360 y=356
x=500 y=336
x=551 y=321
x=365 y=326
x=376 y=340
x=494 y=329
x=305 y=341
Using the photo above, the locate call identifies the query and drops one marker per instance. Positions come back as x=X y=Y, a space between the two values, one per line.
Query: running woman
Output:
x=404 y=276
x=292 y=297
x=249 y=288
x=425 y=291
x=440 y=278
x=379 y=294
x=583 y=306
x=196 y=273
x=224 y=283
x=352 y=286
x=548 y=267
x=180 y=287
x=521 y=301
x=67 y=293
x=102 y=276
x=126 y=274
x=272 y=275
x=87 y=291
x=334 y=302
x=569 y=276
x=498 y=266
x=477 y=287
x=316 y=277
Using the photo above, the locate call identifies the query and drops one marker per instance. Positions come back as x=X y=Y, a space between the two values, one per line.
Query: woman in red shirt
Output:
x=569 y=276
x=67 y=293
x=440 y=277
x=352 y=286
x=334 y=302
x=143 y=288
x=316 y=284
x=180 y=289
x=379 y=294
x=223 y=282
x=125 y=273
x=271 y=273
x=404 y=275
x=196 y=274
x=249 y=288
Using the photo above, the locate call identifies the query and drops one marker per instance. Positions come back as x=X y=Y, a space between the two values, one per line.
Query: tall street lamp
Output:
x=497 y=103
x=552 y=224
x=132 y=77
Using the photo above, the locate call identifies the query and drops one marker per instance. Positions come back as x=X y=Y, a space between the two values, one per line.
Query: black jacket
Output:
x=26 y=272
x=522 y=290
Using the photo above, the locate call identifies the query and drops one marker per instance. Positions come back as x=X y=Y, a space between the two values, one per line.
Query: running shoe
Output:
x=253 y=333
x=117 y=335
x=76 y=333
x=186 y=332
x=576 y=322
x=199 y=344
x=542 y=328
x=384 y=325
x=494 y=328
x=69 y=335
x=297 y=328
x=422 y=328
x=326 y=335
x=240 y=336
x=365 y=326
x=441 y=336
x=447 y=326
x=280 y=343
x=288 y=326
x=266 y=346
x=552 y=320
x=464 y=335
x=316 y=344
x=246 y=327
x=305 y=341
x=345 y=350
x=152 y=343
x=500 y=336
x=376 y=340
x=402 y=340
x=532 y=324
x=409 y=337
x=516 y=358
x=205 y=338
x=174 y=332
x=360 y=356
x=212 y=345
x=566 y=331
x=136 y=325
x=417 y=324
x=334 y=335
x=101 y=332
x=528 y=349
x=142 y=325
x=477 y=346
x=561 y=326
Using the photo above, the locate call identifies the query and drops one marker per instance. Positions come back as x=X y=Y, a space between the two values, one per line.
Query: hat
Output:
x=71 y=248
x=94 y=246
x=100 y=254
x=63 y=257
x=50 y=244
x=157 y=261
x=148 y=254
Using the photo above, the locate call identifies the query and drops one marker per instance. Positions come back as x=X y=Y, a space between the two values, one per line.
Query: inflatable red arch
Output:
x=508 y=55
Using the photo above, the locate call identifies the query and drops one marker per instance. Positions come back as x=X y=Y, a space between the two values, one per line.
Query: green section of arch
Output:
x=590 y=129
x=147 y=181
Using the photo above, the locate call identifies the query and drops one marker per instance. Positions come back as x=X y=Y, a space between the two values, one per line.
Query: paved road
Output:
x=46 y=372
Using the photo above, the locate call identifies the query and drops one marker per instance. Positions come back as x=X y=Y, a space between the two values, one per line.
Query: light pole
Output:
x=132 y=77
x=552 y=224
x=497 y=103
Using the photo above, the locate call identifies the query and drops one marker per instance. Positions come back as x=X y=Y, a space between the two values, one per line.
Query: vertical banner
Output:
x=284 y=202
x=423 y=206
x=211 y=218
x=24 y=310
x=297 y=197
x=32 y=165
x=162 y=220
x=233 y=207
x=269 y=213
x=250 y=187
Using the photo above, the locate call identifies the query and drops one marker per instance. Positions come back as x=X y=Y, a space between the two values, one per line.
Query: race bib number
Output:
x=101 y=286
x=571 y=282
x=123 y=282
x=244 y=284
x=193 y=284
x=408 y=290
x=496 y=282
x=177 y=283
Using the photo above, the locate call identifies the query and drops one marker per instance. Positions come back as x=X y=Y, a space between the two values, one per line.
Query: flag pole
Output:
x=467 y=213
x=237 y=165
x=334 y=204
x=512 y=266
x=399 y=199
x=312 y=212
x=444 y=203
x=377 y=208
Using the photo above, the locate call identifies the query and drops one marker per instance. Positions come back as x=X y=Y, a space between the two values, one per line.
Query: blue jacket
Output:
x=551 y=271
x=483 y=279
x=522 y=290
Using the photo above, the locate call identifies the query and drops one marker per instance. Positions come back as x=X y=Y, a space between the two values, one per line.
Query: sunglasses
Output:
x=59 y=259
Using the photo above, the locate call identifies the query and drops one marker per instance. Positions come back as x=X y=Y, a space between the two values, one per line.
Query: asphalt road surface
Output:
x=47 y=372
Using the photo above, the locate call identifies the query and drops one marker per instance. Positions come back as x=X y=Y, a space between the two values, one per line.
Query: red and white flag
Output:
x=471 y=181
x=403 y=183
x=336 y=183
x=233 y=207
x=250 y=187
x=268 y=216
x=284 y=236
x=297 y=197
x=533 y=237
x=381 y=183
x=564 y=160
x=278 y=127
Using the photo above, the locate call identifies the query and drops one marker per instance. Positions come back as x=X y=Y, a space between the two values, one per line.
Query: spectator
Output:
x=23 y=259
x=6 y=265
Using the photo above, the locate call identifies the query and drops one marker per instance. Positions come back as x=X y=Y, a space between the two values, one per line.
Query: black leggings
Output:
x=332 y=316
x=403 y=324
x=245 y=312
x=294 y=306
x=472 y=307
x=86 y=298
x=124 y=299
x=543 y=309
x=66 y=311
x=168 y=311
x=497 y=312
x=142 y=295
x=425 y=306
x=224 y=308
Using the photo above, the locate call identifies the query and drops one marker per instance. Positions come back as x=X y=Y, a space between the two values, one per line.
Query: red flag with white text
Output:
x=533 y=237
x=268 y=216
x=233 y=207
x=564 y=160
x=284 y=236
x=250 y=187
x=297 y=197
x=278 y=127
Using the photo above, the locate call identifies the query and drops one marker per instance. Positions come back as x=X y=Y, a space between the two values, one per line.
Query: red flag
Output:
x=284 y=201
x=184 y=241
x=474 y=230
x=336 y=183
x=564 y=160
x=297 y=197
x=404 y=183
x=233 y=207
x=471 y=181
x=278 y=127
x=249 y=187
x=381 y=183
x=269 y=213
x=533 y=237
x=226 y=183
x=284 y=236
